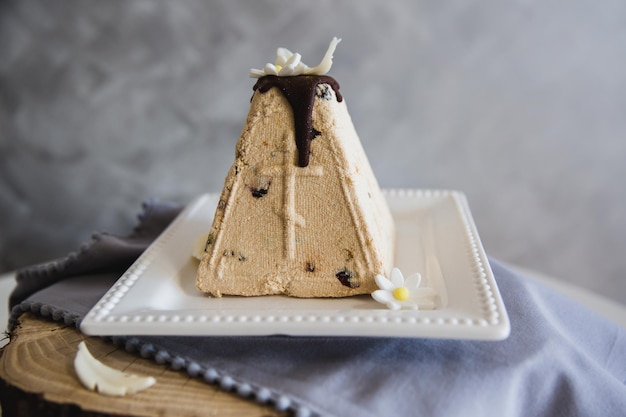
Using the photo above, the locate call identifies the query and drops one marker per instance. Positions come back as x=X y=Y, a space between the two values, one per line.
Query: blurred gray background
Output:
x=520 y=104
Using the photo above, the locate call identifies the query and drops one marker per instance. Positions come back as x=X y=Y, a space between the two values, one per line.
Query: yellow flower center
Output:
x=278 y=67
x=401 y=293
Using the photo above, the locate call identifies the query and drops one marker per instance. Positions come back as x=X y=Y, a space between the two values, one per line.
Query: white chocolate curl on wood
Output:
x=98 y=377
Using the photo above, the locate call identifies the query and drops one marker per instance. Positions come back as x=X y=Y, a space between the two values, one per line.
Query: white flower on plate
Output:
x=289 y=64
x=397 y=292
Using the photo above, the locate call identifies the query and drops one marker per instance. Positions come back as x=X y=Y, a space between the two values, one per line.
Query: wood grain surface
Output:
x=38 y=364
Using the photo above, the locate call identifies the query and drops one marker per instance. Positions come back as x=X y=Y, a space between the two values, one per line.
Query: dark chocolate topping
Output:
x=300 y=93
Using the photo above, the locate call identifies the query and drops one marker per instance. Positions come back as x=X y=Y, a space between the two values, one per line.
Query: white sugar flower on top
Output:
x=289 y=64
x=397 y=293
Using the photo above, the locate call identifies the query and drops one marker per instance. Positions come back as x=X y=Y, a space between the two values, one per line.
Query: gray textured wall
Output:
x=520 y=104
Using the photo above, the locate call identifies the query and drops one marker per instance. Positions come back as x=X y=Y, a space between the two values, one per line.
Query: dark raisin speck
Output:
x=347 y=278
x=259 y=192
x=209 y=241
x=323 y=91
x=310 y=267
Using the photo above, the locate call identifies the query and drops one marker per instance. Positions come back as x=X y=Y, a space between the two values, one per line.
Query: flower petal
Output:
x=270 y=69
x=300 y=68
x=397 y=279
x=282 y=55
x=409 y=304
x=294 y=66
x=425 y=298
x=413 y=281
x=424 y=292
x=426 y=305
x=393 y=305
x=293 y=60
x=256 y=73
x=285 y=72
x=383 y=296
x=383 y=283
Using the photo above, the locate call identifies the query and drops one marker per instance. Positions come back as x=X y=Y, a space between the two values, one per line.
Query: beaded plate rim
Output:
x=484 y=317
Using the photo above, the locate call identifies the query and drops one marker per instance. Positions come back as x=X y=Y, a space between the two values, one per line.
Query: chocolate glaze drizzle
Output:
x=300 y=93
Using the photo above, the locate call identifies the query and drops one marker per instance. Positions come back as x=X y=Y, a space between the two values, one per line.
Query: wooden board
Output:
x=38 y=374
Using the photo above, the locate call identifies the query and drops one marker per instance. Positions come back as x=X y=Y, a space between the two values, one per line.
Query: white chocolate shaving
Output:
x=98 y=377
x=327 y=61
x=289 y=64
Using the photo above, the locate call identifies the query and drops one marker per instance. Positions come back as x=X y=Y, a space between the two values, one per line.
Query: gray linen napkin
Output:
x=560 y=358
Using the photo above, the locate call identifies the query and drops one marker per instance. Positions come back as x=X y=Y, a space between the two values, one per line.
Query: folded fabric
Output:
x=559 y=360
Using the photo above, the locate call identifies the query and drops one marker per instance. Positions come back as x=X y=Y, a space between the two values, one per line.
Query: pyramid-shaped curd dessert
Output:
x=301 y=212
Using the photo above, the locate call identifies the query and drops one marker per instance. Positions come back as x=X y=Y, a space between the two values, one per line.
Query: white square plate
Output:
x=436 y=237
